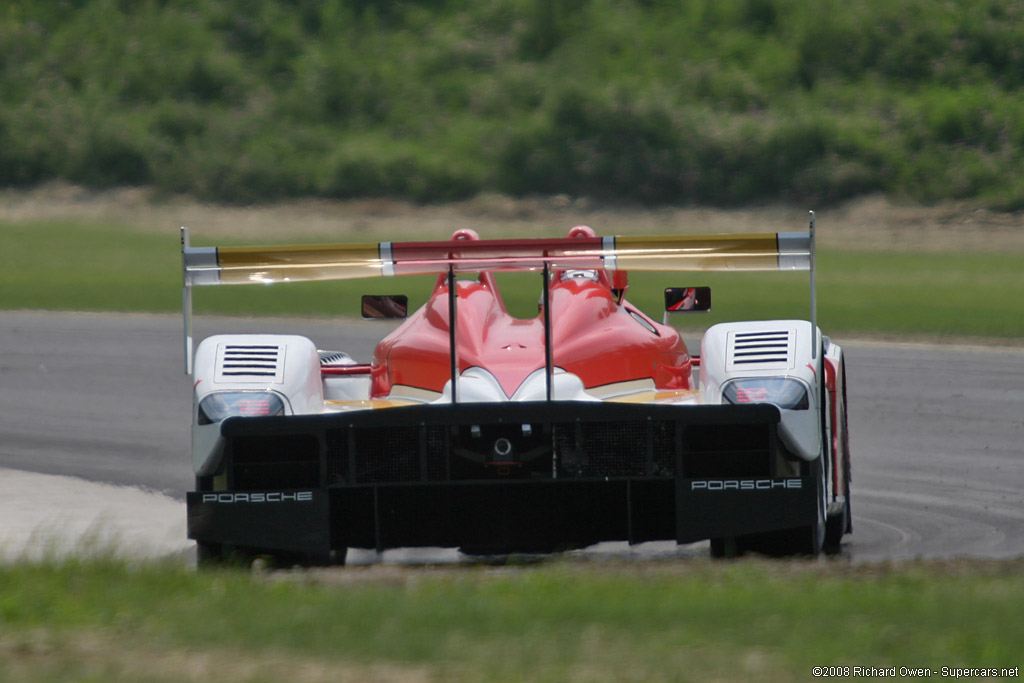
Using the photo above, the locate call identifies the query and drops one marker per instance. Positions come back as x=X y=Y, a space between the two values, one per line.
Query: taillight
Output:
x=255 y=406
x=751 y=395
x=789 y=394
x=220 y=406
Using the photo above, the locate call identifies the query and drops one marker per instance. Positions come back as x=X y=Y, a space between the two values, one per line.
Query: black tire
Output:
x=208 y=554
x=807 y=540
x=286 y=560
x=726 y=548
x=813 y=536
x=211 y=555
x=836 y=527
x=842 y=523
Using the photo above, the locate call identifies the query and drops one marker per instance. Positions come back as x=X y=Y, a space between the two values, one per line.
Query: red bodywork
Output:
x=595 y=334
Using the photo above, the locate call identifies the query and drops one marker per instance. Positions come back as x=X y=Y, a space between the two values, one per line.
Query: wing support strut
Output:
x=453 y=315
x=549 y=368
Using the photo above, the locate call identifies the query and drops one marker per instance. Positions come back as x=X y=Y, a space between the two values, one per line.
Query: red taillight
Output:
x=254 y=406
x=222 y=405
x=784 y=392
x=752 y=395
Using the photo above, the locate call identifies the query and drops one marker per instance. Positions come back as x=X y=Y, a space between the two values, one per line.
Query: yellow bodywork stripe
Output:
x=242 y=265
x=672 y=396
x=372 y=403
x=697 y=252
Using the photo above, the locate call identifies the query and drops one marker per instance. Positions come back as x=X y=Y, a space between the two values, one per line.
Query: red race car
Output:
x=477 y=429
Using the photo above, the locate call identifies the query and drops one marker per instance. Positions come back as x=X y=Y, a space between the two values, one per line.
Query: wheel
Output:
x=811 y=539
x=726 y=547
x=208 y=554
x=841 y=523
x=835 y=528
x=806 y=540
x=285 y=560
x=212 y=555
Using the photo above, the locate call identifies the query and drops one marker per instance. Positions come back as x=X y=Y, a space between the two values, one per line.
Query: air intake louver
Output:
x=250 y=363
x=760 y=350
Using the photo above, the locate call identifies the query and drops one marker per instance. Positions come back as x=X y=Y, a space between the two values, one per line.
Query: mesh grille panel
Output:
x=437 y=453
x=337 y=456
x=387 y=455
x=615 y=449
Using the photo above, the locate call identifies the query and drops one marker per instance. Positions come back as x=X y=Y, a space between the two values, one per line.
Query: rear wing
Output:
x=305 y=263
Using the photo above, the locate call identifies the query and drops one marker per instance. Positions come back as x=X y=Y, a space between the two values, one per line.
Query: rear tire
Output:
x=726 y=547
x=806 y=540
x=842 y=523
x=208 y=554
x=836 y=527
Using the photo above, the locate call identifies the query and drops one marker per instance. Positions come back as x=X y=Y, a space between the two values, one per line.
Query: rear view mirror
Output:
x=687 y=299
x=377 y=306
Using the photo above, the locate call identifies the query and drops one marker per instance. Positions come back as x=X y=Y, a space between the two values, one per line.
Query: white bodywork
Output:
x=287 y=366
x=768 y=349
